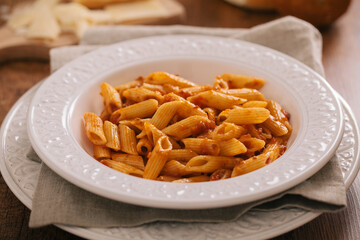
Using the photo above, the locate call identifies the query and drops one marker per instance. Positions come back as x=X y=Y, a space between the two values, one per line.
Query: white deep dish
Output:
x=56 y=130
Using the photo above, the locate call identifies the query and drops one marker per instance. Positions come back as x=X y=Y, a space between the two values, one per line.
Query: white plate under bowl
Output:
x=56 y=129
x=21 y=174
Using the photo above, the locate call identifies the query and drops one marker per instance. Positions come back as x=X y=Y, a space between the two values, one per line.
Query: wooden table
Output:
x=341 y=60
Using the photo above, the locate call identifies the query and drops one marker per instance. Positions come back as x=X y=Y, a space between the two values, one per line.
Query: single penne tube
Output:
x=94 y=129
x=144 y=146
x=122 y=167
x=174 y=168
x=252 y=103
x=101 y=152
x=220 y=84
x=168 y=78
x=208 y=164
x=275 y=148
x=127 y=139
x=164 y=114
x=215 y=100
x=136 y=124
x=226 y=131
x=141 y=94
x=153 y=87
x=112 y=136
x=276 y=127
x=241 y=81
x=182 y=154
x=220 y=174
x=202 y=146
x=139 y=110
x=132 y=160
x=152 y=133
x=231 y=147
x=201 y=178
x=187 y=92
x=252 y=144
x=122 y=87
x=279 y=114
x=165 y=178
x=260 y=133
x=247 y=93
x=211 y=113
x=273 y=151
x=249 y=165
x=158 y=158
x=169 y=88
x=111 y=97
x=105 y=115
x=186 y=108
x=193 y=125
x=244 y=115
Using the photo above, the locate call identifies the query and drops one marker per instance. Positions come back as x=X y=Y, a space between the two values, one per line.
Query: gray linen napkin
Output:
x=57 y=201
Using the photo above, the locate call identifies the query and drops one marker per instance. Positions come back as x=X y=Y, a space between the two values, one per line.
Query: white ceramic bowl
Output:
x=56 y=129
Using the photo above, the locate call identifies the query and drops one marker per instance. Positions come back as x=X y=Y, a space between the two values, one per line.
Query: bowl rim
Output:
x=87 y=177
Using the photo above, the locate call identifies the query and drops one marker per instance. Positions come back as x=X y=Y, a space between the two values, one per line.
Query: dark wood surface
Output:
x=341 y=58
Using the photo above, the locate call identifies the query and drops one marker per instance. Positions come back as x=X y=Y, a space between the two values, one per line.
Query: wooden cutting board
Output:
x=14 y=46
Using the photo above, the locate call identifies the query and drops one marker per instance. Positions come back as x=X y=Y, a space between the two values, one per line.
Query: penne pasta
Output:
x=122 y=167
x=164 y=114
x=186 y=108
x=202 y=146
x=226 y=131
x=220 y=174
x=101 y=152
x=247 y=93
x=132 y=160
x=240 y=81
x=144 y=146
x=220 y=84
x=215 y=100
x=122 y=87
x=141 y=94
x=276 y=127
x=191 y=126
x=253 y=103
x=174 y=168
x=244 y=115
x=158 y=158
x=112 y=136
x=111 y=97
x=211 y=113
x=208 y=164
x=202 y=178
x=182 y=154
x=190 y=91
x=166 y=128
x=272 y=151
x=138 y=110
x=252 y=144
x=167 y=78
x=231 y=147
x=127 y=139
x=94 y=129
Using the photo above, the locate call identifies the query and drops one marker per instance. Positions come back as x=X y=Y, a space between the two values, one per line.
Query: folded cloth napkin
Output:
x=57 y=201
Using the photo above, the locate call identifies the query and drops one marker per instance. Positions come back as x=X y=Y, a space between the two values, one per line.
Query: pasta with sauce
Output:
x=164 y=127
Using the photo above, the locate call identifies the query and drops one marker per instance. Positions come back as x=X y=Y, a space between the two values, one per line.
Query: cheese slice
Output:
x=21 y=19
x=131 y=11
x=72 y=18
x=98 y=17
x=44 y=25
x=101 y=3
